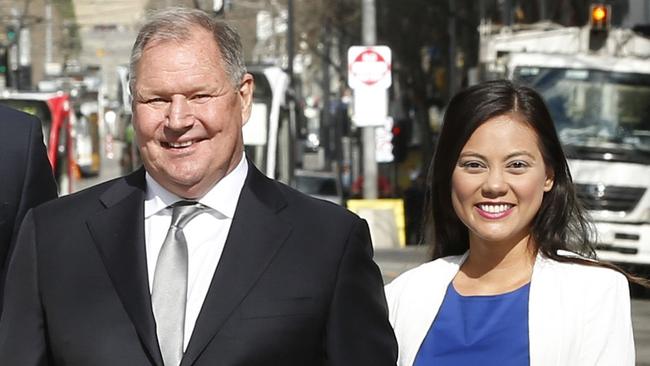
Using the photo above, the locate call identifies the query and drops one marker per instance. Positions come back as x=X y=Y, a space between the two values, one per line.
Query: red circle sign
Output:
x=369 y=67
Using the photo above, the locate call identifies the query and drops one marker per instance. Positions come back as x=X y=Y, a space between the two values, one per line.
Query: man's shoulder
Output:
x=303 y=204
x=82 y=203
x=15 y=120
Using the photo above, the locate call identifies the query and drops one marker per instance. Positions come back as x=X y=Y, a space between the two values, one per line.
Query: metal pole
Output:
x=506 y=12
x=369 y=33
x=327 y=120
x=451 y=29
x=292 y=91
x=290 y=41
x=542 y=10
x=48 y=32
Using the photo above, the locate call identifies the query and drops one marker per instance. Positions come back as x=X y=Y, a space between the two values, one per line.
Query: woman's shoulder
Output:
x=425 y=273
x=587 y=274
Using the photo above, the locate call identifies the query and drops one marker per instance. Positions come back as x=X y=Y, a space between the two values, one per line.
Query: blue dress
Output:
x=478 y=330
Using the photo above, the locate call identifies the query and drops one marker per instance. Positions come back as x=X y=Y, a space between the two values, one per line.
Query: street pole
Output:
x=292 y=90
x=48 y=33
x=506 y=12
x=290 y=41
x=542 y=10
x=369 y=35
x=327 y=121
x=451 y=29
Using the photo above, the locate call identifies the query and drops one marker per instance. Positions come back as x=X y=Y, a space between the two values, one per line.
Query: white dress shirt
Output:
x=205 y=234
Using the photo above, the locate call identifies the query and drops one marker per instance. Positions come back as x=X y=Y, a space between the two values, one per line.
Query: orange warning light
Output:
x=600 y=16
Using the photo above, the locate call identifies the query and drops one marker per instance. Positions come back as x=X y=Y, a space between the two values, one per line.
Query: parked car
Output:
x=325 y=185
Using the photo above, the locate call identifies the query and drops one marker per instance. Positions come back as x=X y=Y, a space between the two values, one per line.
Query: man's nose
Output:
x=495 y=184
x=180 y=113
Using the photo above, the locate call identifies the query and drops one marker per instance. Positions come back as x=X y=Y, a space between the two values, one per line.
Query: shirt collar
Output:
x=223 y=197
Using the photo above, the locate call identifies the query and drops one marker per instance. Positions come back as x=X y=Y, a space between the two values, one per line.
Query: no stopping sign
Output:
x=369 y=67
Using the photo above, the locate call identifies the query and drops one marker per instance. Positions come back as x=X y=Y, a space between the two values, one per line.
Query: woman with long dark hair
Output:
x=514 y=279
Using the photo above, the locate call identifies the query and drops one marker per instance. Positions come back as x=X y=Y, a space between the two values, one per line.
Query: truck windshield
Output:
x=599 y=115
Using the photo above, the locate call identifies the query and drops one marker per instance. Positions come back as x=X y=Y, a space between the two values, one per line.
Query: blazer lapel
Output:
x=118 y=232
x=546 y=320
x=255 y=236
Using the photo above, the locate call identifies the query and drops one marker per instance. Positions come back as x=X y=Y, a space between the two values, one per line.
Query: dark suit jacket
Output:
x=25 y=174
x=295 y=285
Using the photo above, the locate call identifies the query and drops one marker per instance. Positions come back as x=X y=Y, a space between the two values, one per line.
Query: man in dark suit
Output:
x=26 y=175
x=265 y=275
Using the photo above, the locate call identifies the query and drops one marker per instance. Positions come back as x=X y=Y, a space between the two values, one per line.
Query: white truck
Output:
x=596 y=83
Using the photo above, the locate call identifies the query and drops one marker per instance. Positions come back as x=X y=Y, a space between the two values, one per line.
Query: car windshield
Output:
x=598 y=114
x=321 y=186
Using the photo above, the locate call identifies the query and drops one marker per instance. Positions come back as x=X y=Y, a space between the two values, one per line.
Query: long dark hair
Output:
x=560 y=224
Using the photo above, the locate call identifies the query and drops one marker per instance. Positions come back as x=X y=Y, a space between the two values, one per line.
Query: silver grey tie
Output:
x=170 y=284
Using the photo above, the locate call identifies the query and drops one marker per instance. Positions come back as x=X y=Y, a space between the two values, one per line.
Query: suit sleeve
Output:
x=22 y=338
x=358 y=331
x=608 y=338
x=39 y=185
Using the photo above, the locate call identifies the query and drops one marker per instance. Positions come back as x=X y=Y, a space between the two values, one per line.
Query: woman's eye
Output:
x=471 y=165
x=518 y=164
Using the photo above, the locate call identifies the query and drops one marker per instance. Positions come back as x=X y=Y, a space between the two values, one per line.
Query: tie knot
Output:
x=184 y=211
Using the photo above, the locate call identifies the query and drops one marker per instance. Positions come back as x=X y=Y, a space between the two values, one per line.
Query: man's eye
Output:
x=201 y=98
x=155 y=101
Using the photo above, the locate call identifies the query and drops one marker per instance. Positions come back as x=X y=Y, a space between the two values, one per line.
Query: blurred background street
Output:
x=350 y=96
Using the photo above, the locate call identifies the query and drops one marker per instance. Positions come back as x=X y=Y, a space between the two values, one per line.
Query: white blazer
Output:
x=577 y=315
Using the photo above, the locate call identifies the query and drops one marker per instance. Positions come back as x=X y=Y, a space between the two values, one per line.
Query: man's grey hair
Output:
x=176 y=24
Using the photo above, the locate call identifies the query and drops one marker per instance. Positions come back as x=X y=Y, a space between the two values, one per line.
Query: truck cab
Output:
x=598 y=93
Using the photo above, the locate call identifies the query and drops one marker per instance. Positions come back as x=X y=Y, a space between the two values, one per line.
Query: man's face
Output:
x=187 y=114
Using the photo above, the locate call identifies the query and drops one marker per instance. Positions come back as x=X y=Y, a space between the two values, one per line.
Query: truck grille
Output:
x=609 y=198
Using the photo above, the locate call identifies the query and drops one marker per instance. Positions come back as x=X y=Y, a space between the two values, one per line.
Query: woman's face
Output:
x=499 y=180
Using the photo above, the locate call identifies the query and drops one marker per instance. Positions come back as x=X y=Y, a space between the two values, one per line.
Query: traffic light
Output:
x=4 y=62
x=11 y=33
x=401 y=136
x=599 y=24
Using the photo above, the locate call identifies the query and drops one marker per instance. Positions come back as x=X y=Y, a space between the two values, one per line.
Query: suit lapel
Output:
x=255 y=236
x=118 y=232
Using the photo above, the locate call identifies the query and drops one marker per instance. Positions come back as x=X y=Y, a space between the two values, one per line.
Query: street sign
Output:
x=369 y=67
x=384 y=143
x=370 y=107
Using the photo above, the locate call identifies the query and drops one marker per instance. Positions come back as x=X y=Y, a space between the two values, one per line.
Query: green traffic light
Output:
x=3 y=69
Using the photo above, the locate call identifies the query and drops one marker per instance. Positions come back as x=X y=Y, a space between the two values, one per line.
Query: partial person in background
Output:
x=413 y=208
x=26 y=178
x=250 y=272
x=514 y=279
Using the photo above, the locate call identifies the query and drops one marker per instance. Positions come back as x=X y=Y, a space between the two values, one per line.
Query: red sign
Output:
x=369 y=67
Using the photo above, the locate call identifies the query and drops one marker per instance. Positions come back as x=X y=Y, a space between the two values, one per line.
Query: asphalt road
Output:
x=392 y=262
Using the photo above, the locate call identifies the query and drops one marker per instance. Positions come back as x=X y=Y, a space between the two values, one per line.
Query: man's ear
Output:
x=245 y=92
